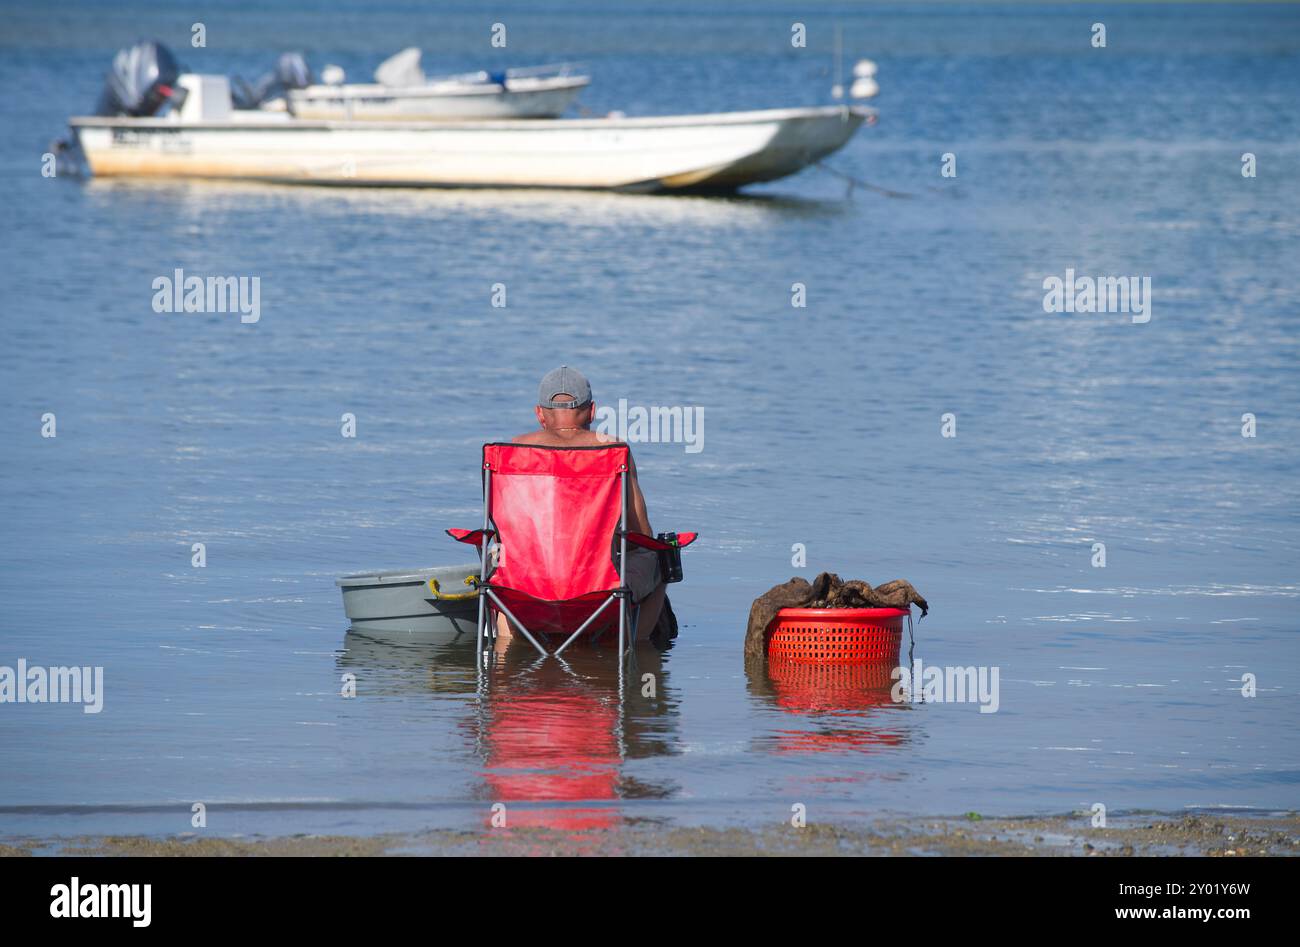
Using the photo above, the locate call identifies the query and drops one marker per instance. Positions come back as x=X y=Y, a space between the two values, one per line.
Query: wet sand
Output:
x=1193 y=835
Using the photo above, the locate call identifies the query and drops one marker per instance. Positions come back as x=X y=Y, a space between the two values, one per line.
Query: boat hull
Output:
x=400 y=601
x=680 y=153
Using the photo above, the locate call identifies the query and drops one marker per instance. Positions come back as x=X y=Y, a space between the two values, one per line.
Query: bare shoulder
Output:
x=598 y=439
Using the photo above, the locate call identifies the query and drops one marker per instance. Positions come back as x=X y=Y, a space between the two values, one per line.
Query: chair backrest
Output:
x=556 y=511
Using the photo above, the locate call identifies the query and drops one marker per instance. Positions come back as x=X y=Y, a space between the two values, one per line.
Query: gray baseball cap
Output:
x=564 y=381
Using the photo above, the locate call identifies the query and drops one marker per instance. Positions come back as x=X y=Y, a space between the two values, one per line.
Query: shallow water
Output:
x=1119 y=685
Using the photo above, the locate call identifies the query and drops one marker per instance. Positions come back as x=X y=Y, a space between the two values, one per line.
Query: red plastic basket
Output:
x=836 y=635
x=803 y=687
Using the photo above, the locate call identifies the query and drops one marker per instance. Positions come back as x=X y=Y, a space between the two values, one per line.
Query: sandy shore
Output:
x=1202 y=835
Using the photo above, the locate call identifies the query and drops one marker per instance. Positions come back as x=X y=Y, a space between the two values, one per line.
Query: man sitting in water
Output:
x=565 y=411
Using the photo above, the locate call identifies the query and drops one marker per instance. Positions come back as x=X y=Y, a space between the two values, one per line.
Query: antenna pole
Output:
x=837 y=90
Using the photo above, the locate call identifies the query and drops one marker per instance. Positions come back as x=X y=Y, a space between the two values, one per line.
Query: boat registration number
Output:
x=155 y=139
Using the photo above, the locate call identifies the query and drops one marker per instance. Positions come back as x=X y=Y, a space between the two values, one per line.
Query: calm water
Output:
x=822 y=426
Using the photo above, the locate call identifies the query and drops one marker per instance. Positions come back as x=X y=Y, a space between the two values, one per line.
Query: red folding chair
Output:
x=557 y=517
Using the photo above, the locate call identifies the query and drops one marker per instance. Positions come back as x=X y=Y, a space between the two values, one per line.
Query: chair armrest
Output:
x=649 y=542
x=472 y=537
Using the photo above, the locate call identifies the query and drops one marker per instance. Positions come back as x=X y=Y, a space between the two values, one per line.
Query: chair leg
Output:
x=635 y=626
x=621 y=662
x=583 y=627
x=517 y=623
x=480 y=644
x=478 y=631
x=622 y=627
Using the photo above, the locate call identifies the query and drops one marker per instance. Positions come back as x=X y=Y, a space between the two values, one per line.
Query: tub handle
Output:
x=471 y=580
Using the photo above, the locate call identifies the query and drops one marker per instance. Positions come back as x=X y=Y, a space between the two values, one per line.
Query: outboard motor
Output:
x=291 y=72
x=143 y=77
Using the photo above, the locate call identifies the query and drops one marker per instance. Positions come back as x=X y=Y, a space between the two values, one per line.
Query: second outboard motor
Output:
x=143 y=77
x=291 y=72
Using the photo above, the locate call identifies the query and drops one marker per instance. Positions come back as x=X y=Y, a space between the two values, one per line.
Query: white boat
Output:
x=435 y=600
x=401 y=92
x=206 y=138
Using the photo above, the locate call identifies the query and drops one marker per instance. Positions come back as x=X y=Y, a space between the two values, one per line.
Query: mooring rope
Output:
x=858 y=182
